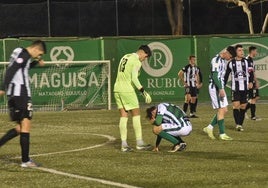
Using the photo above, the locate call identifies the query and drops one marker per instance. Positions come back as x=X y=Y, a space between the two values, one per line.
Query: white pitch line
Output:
x=86 y=178
x=107 y=182
x=110 y=139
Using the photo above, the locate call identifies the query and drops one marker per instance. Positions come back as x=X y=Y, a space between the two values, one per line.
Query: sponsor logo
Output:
x=62 y=53
x=160 y=62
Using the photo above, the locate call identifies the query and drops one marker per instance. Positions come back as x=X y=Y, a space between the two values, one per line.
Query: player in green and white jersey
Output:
x=170 y=122
x=217 y=92
x=126 y=98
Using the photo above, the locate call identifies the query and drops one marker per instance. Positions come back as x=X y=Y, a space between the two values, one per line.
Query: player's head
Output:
x=230 y=52
x=151 y=113
x=144 y=52
x=252 y=50
x=192 y=59
x=239 y=51
x=37 y=49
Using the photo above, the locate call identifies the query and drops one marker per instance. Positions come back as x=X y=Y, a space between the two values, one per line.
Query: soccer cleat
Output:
x=175 y=148
x=256 y=118
x=209 y=132
x=29 y=164
x=144 y=147
x=239 y=128
x=126 y=149
x=225 y=137
x=182 y=146
x=193 y=116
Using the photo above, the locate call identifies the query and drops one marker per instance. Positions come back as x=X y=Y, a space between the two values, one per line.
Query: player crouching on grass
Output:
x=170 y=122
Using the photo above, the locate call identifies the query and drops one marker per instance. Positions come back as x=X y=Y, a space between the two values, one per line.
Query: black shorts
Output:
x=253 y=93
x=240 y=96
x=20 y=107
x=191 y=90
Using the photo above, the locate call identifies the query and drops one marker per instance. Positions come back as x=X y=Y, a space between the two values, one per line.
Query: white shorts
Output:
x=177 y=130
x=215 y=99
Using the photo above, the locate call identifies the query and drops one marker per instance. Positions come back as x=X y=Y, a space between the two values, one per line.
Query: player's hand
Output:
x=222 y=94
x=198 y=86
x=250 y=85
x=41 y=62
x=156 y=149
x=146 y=96
x=257 y=83
x=2 y=92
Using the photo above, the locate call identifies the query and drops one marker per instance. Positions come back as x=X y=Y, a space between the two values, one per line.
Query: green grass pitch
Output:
x=66 y=142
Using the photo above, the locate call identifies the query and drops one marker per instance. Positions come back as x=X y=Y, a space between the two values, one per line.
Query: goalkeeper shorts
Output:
x=126 y=100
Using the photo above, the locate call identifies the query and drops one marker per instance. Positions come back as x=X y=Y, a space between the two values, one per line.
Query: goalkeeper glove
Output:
x=146 y=96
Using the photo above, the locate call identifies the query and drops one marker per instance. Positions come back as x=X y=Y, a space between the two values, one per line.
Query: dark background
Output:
x=93 y=18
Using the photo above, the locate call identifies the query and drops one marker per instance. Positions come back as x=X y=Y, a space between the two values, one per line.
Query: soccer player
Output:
x=125 y=96
x=189 y=76
x=170 y=122
x=242 y=78
x=253 y=94
x=217 y=92
x=17 y=88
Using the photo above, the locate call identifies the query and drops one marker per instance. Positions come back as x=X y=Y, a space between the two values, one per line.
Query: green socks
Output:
x=221 y=126
x=168 y=137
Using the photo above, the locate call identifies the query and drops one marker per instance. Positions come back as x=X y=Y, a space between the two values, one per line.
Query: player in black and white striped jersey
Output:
x=17 y=88
x=241 y=80
x=253 y=94
x=189 y=75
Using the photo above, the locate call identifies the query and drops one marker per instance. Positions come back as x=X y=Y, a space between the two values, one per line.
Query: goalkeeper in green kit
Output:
x=126 y=98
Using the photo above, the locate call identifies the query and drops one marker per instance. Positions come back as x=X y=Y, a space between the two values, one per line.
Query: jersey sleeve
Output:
x=15 y=65
x=135 y=75
x=215 y=73
x=160 y=113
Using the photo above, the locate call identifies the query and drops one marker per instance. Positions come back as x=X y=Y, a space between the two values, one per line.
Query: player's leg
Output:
x=236 y=110
x=221 y=114
x=158 y=130
x=243 y=104
x=131 y=104
x=12 y=133
x=26 y=113
x=187 y=98
x=253 y=105
x=215 y=101
x=193 y=92
x=120 y=101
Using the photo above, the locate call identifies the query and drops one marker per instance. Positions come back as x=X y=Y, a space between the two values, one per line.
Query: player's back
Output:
x=128 y=64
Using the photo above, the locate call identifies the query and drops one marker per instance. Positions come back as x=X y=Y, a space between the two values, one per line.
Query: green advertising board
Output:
x=219 y=43
x=159 y=74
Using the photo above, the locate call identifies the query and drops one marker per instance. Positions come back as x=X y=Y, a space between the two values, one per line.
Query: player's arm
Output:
x=251 y=74
x=134 y=77
x=227 y=73
x=39 y=61
x=200 y=78
x=157 y=143
x=16 y=65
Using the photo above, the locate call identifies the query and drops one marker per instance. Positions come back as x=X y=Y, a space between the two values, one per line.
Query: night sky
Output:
x=122 y=17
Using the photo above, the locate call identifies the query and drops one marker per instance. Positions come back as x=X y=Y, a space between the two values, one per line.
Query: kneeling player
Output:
x=170 y=123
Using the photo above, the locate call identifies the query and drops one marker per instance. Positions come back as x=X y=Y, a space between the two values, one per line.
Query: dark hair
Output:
x=238 y=46
x=41 y=44
x=146 y=49
x=231 y=50
x=149 y=112
x=191 y=56
x=251 y=48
